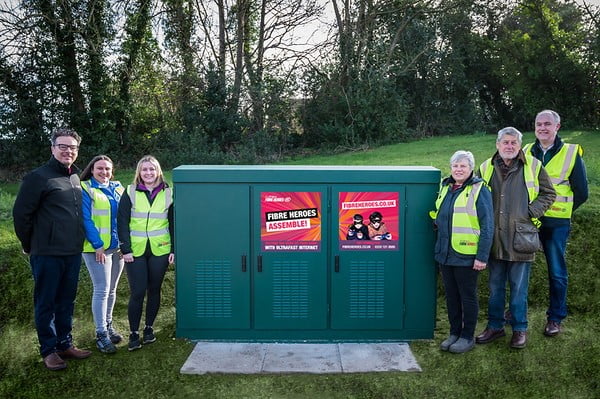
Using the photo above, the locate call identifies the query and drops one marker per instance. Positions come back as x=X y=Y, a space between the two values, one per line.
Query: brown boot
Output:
x=552 y=328
x=489 y=334
x=518 y=340
x=54 y=362
x=75 y=353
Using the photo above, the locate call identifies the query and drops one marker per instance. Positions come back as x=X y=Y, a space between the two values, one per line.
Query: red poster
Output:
x=290 y=221
x=369 y=221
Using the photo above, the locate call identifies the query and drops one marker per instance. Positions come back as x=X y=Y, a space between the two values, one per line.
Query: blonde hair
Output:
x=138 y=170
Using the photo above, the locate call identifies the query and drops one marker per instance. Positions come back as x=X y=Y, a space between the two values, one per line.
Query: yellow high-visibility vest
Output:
x=531 y=173
x=559 y=169
x=150 y=222
x=465 y=224
x=101 y=214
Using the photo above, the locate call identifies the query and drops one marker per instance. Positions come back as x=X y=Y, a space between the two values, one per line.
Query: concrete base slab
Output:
x=361 y=358
x=302 y=358
x=257 y=358
x=219 y=357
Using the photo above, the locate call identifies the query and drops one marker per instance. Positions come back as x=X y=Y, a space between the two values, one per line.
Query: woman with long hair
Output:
x=146 y=233
x=101 y=253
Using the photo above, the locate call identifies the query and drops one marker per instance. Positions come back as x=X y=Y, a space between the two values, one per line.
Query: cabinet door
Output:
x=290 y=257
x=212 y=249
x=367 y=280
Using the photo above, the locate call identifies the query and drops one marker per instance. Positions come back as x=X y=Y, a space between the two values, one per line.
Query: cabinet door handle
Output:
x=259 y=263
x=243 y=263
x=337 y=264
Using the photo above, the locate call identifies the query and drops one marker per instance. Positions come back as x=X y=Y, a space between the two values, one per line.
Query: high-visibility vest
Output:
x=465 y=223
x=531 y=173
x=150 y=222
x=559 y=169
x=101 y=214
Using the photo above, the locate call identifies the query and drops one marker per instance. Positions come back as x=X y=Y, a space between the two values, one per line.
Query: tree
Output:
x=541 y=48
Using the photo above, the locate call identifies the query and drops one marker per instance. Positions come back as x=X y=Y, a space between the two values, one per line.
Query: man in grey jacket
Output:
x=521 y=193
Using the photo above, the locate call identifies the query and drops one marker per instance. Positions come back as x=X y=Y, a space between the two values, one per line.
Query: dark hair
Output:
x=375 y=215
x=65 y=131
x=87 y=171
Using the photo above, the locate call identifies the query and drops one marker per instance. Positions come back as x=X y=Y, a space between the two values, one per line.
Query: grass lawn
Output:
x=567 y=366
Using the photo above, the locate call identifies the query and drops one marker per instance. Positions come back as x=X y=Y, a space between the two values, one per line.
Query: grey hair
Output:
x=460 y=155
x=554 y=115
x=511 y=131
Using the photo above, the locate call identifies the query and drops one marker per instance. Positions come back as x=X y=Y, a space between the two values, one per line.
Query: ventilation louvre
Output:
x=290 y=290
x=212 y=280
x=367 y=290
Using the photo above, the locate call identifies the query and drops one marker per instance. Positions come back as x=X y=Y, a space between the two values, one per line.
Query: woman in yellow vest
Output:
x=101 y=253
x=464 y=220
x=145 y=224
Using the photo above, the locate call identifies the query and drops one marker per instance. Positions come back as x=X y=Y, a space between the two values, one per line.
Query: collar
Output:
x=555 y=147
x=62 y=169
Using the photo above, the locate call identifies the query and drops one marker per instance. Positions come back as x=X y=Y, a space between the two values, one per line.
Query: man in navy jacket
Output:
x=48 y=222
x=564 y=164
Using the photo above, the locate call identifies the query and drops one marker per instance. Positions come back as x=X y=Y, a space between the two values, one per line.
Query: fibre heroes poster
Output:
x=369 y=221
x=290 y=221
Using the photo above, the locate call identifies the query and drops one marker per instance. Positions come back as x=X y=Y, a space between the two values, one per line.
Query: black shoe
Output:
x=134 y=342
x=149 y=336
x=114 y=336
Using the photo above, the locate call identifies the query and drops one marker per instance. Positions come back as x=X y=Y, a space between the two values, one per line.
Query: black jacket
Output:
x=47 y=211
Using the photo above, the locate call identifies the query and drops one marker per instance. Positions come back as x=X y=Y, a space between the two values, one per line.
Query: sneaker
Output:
x=149 y=336
x=134 y=342
x=448 y=341
x=114 y=336
x=104 y=344
x=462 y=345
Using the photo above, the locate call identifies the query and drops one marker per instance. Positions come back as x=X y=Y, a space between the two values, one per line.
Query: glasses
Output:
x=376 y=220
x=65 y=147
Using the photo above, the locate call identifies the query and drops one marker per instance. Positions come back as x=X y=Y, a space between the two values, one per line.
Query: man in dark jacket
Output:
x=564 y=164
x=48 y=222
x=521 y=193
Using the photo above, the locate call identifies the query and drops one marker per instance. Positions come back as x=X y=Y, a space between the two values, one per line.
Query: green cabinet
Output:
x=290 y=287
x=367 y=286
x=288 y=253
x=212 y=249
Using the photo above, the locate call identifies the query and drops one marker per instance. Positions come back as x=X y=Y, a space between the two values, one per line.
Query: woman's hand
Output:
x=100 y=255
x=128 y=258
x=478 y=265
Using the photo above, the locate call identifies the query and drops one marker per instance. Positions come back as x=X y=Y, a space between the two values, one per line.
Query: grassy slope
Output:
x=567 y=366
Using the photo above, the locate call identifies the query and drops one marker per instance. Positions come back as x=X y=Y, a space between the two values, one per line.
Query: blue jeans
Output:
x=554 y=242
x=55 y=288
x=105 y=278
x=517 y=275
